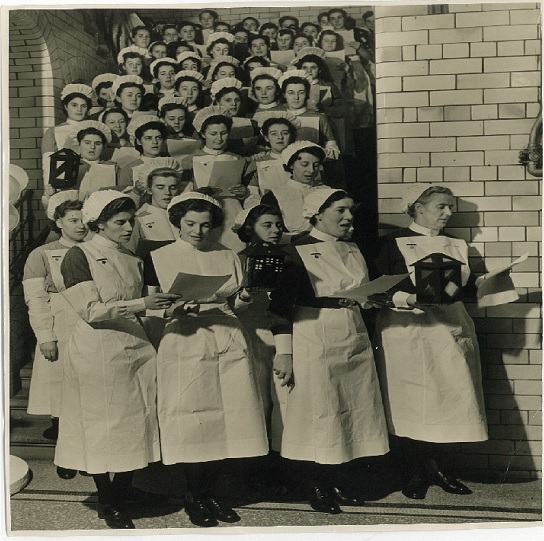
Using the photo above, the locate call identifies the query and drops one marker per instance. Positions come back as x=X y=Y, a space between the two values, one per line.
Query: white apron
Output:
x=108 y=420
x=45 y=385
x=334 y=413
x=208 y=404
x=429 y=363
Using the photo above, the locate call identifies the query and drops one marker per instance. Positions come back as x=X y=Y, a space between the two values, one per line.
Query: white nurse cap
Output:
x=315 y=199
x=97 y=201
x=59 y=198
x=186 y=196
x=158 y=163
x=413 y=192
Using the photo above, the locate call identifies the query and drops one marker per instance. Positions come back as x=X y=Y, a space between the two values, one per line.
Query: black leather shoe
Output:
x=323 y=503
x=221 y=512
x=416 y=488
x=52 y=433
x=115 y=518
x=449 y=484
x=65 y=473
x=343 y=499
x=199 y=514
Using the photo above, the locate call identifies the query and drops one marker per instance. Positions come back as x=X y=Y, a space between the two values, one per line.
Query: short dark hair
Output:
x=155 y=125
x=254 y=37
x=179 y=210
x=131 y=54
x=266 y=26
x=136 y=29
x=251 y=19
x=301 y=35
x=168 y=27
x=333 y=198
x=329 y=32
x=99 y=88
x=167 y=107
x=121 y=204
x=211 y=12
x=222 y=22
x=67 y=99
x=343 y=12
x=288 y=17
x=161 y=63
x=324 y=73
x=228 y=90
x=368 y=14
x=122 y=87
x=187 y=23
x=217 y=119
x=264 y=62
x=62 y=210
x=91 y=131
x=196 y=59
x=212 y=74
x=118 y=110
x=271 y=121
x=318 y=152
x=289 y=31
x=310 y=23
x=245 y=233
x=297 y=81
x=220 y=40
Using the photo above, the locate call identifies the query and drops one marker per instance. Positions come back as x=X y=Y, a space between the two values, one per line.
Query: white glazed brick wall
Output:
x=47 y=50
x=457 y=95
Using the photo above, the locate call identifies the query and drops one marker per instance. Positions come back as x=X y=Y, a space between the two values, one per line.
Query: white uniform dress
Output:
x=209 y=407
x=334 y=413
x=108 y=420
x=52 y=320
x=428 y=361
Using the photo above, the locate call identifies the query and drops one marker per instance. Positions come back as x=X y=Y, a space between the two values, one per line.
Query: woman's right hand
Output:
x=160 y=301
x=49 y=190
x=50 y=350
x=283 y=369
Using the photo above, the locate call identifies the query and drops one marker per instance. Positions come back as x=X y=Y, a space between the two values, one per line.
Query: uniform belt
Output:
x=323 y=302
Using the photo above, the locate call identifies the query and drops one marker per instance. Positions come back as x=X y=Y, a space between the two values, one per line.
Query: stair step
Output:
x=27 y=429
x=33 y=452
x=26 y=371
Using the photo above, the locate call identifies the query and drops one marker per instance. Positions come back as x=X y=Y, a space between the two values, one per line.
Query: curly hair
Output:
x=247 y=232
x=121 y=204
x=179 y=210
x=60 y=212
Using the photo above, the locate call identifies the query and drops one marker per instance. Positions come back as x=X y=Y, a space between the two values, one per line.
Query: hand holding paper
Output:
x=194 y=287
x=379 y=285
x=498 y=287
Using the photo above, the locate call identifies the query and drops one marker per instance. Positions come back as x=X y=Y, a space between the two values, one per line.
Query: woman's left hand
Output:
x=239 y=192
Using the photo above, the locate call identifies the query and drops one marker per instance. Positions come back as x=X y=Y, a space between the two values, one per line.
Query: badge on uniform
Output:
x=317 y=255
x=102 y=260
x=150 y=224
x=56 y=257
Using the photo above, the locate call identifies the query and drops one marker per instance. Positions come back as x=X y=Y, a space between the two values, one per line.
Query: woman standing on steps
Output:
x=51 y=317
x=108 y=421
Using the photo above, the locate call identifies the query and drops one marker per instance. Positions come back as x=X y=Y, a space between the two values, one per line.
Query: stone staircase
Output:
x=25 y=431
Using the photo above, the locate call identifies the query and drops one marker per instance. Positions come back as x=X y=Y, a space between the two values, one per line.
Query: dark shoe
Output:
x=65 y=473
x=416 y=489
x=199 y=514
x=52 y=433
x=344 y=499
x=449 y=484
x=221 y=512
x=323 y=503
x=115 y=518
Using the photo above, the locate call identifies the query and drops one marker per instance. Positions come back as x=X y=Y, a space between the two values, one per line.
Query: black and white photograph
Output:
x=273 y=269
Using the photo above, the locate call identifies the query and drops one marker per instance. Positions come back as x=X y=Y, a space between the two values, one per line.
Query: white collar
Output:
x=146 y=159
x=267 y=106
x=320 y=235
x=90 y=162
x=213 y=152
x=184 y=245
x=67 y=242
x=297 y=112
x=423 y=230
x=72 y=122
x=192 y=108
x=104 y=242
x=275 y=155
x=298 y=185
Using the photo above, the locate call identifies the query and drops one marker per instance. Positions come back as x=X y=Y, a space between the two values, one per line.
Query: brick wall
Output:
x=47 y=50
x=457 y=95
